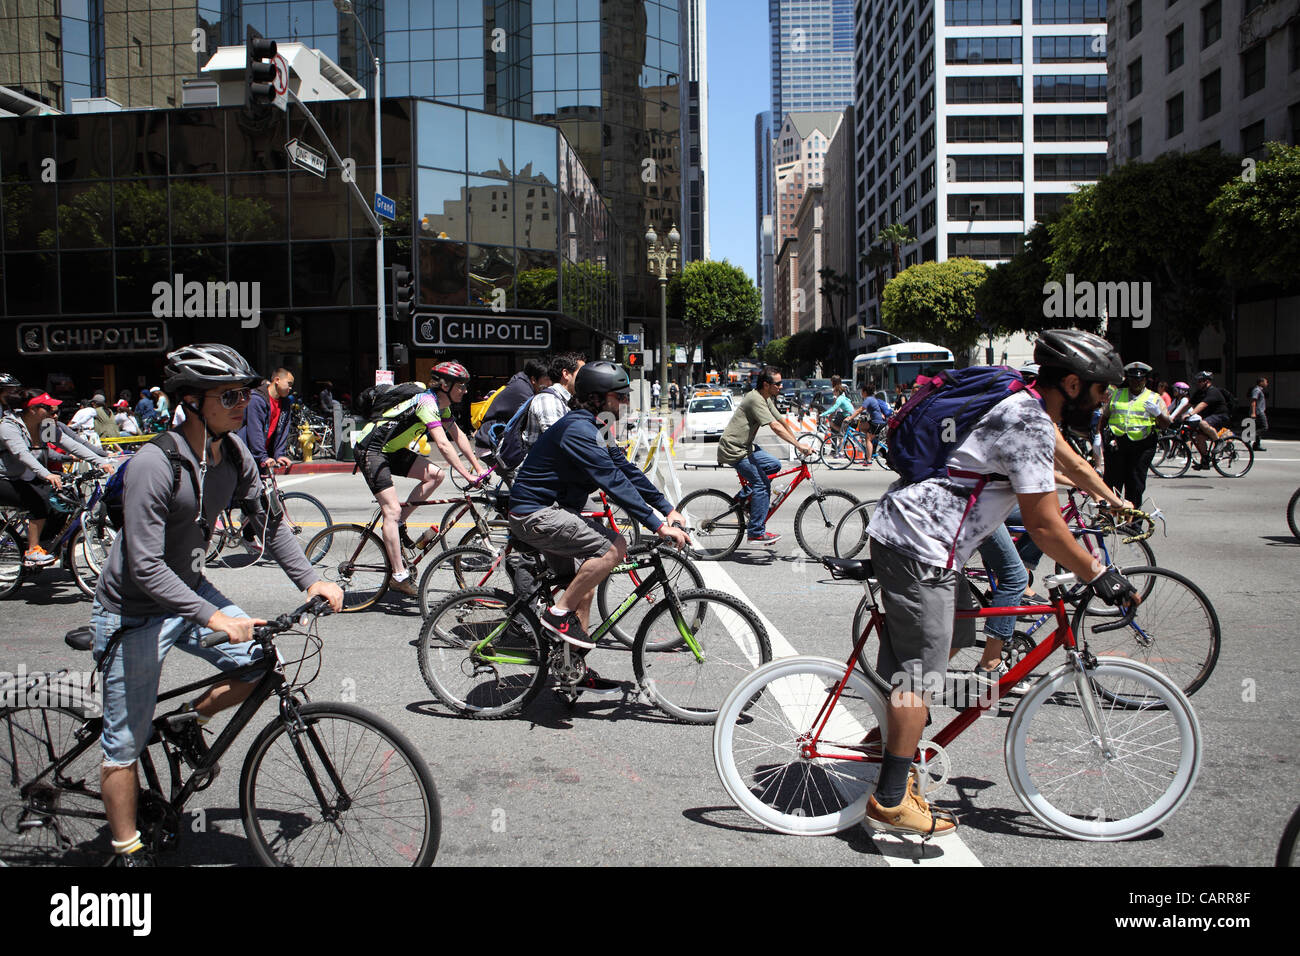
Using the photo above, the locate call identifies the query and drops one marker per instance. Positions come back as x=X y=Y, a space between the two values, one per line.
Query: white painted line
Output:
x=287 y=482
x=897 y=851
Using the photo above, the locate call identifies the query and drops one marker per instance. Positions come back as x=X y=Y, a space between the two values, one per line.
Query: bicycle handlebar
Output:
x=1125 y=620
x=316 y=607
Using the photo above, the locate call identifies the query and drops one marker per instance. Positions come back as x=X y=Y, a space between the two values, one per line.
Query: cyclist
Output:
x=1182 y=402
x=921 y=532
x=736 y=448
x=567 y=464
x=1132 y=417
x=152 y=594
x=1211 y=405
x=26 y=460
x=877 y=412
x=522 y=386
x=382 y=453
x=265 y=432
x=553 y=402
x=841 y=408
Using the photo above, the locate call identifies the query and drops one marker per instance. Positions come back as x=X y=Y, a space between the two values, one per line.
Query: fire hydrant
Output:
x=307 y=440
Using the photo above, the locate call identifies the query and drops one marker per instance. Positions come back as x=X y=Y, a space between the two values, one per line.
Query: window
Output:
x=1294 y=113
x=909 y=126
x=1069 y=11
x=1135 y=139
x=1174 y=50
x=1069 y=49
x=1211 y=22
x=1173 y=116
x=986 y=89
x=1047 y=205
x=927 y=103
x=1252 y=140
x=909 y=162
x=1069 y=167
x=1134 y=18
x=909 y=58
x=927 y=216
x=1069 y=127
x=927 y=139
x=909 y=196
x=1295 y=46
x=988 y=168
x=1070 y=88
x=1253 y=68
x=983 y=207
x=1211 y=94
x=927 y=179
x=1135 y=78
x=974 y=50
x=985 y=246
x=985 y=129
x=909 y=91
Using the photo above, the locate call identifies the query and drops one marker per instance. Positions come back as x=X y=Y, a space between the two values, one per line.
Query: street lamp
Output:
x=662 y=262
x=346 y=7
x=883 y=332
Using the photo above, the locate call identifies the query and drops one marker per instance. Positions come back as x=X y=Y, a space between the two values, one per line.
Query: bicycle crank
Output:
x=933 y=766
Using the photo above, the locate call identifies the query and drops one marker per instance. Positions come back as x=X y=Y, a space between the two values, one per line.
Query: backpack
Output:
x=510 y=451
x=941 y=413
x=478 y=410
x=374 y=401
x=114 y=488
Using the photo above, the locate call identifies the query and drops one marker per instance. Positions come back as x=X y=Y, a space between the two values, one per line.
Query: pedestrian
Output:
x=105 y=424
x=144 y=409
x=1258 y=410
x=125 y=421
x=1131 y=417
x=654 y=394
x=327 y=397
x=162 y=407
x=672 y=394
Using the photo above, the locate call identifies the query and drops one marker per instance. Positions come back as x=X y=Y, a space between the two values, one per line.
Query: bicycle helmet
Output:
x=452 y=371
x=601 y=377
x=1029 y=371
x=207 y=365
x=8 y=380
x=1086 y=355
x=1137 y=368
x=1205 y=376
x=1181 y=387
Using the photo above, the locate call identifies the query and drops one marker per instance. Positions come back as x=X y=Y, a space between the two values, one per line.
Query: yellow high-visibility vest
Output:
x=1128 y=416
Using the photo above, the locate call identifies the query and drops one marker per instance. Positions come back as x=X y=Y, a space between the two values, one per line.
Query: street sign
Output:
x=629 y=338
x=385 y=207
x=281 y=82
x=302 y=155
x=383 y=376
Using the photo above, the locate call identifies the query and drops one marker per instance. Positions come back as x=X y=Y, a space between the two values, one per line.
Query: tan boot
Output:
x=403 y=587
x=913 y=815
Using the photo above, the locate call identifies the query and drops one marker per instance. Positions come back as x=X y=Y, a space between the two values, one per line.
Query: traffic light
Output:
x=634 y=359
x=403 y=293
x=401 y=356
x=259 y=68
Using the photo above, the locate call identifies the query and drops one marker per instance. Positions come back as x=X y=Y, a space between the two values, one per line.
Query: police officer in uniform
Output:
x=1132 y=417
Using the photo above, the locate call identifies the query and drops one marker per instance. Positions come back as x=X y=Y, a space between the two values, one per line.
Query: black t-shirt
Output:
x=1215 y=403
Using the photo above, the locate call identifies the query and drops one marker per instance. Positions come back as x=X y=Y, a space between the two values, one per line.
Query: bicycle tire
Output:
x=1229 y=453
x=463 y=620
x=348 y=746
x=11 y=563
x=817 y=444
x=61 y=821
x=618 y=586
x=1175 y=630
x=354 y=558
x=304 y=514
x=1049 y=746
x=814 y=528
x=759 y=733
x=1292 y=515
x=100 y=535
x=1286 y=847
x=1134 y=554
x=225 y=534
x=1172 y=458
x=79 y=564
x=839 y=451
x=716 y=521
x=732 y=642
x=453 y=571
x=626 y=525
x=850 y=536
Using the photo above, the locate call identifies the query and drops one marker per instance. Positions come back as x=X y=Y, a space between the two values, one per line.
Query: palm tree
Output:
x=896 y=236
x=876 y=259
x=836 y=285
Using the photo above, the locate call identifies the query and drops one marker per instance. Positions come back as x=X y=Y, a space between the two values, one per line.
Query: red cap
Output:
x=45 y=398
x=121 y=403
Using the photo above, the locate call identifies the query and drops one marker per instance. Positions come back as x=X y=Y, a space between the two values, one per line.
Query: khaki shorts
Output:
x=565 y=537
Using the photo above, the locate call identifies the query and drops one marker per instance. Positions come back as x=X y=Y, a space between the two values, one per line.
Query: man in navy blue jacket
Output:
x=568 y=463
x=266 y=424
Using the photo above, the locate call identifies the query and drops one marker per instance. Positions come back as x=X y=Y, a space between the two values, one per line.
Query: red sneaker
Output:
x=767 y=537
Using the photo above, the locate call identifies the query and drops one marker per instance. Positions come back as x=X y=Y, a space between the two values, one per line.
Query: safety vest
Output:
x=1128 y=418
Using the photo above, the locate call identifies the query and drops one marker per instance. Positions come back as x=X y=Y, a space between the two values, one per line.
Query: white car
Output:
x=706 y=417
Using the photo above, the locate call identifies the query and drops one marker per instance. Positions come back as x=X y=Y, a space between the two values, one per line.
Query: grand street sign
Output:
x=434 y=330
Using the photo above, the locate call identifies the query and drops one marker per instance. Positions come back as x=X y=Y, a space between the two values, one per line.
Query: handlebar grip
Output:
x=1125 y=620
x=213 y=639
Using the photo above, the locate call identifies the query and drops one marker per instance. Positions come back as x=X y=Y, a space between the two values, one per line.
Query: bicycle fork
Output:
x=1088 y=703
x=296 y=729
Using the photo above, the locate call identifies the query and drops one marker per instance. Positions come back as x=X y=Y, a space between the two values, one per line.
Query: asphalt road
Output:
x=614 y=781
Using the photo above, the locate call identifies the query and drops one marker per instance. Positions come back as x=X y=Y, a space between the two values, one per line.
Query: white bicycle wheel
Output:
x=1059 y=772
x=757 y=746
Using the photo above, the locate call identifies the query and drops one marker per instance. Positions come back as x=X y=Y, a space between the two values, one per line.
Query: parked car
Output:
x=706 y=417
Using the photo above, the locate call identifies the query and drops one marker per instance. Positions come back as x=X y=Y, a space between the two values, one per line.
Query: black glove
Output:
x=1113 y=588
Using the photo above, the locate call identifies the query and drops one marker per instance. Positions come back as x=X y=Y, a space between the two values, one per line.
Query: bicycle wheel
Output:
x=849 y=539
x=627 y=526
x=340 y=788
x=304 y=514
x=760 y=734
x=816 y=443
x=1175 y=630
x=79 y=563
x=817 y=518
x=1134 y=554
x=1172 y=458
x=452 y=571
x=1232 y=457
x=60 y=818
x=1292 y=514
x=11 y=563
x=497 y=682
x=354 y=558
x=1288 y=846
x=100 y=534
x=225 y=534
x=839 y=451
x=717 y=523
x=1059 y=770
x=618 y=587
x=691 y=684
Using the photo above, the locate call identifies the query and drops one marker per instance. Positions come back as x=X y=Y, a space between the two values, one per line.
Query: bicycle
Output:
x=77 y=531
x=323 y=784
x=485 y=654
x=1230 y=455
x=1293 y=514
x=719 y=519
x=322 y=428
x=1288 y=849
x=299 y=510
x=1099 y=749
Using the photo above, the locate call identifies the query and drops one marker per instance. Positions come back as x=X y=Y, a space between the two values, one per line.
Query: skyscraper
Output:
x=695 y=126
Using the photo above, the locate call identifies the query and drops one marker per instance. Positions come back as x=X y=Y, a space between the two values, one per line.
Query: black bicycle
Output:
x=304 y=514
x=77 y=532
x=1293 y=513
x=323 y=784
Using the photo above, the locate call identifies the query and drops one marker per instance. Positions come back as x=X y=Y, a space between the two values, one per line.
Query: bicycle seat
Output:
x=848 y=569
x=80 y=638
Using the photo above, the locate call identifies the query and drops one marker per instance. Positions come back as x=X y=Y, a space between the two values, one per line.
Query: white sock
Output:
x=129 y=845
x=401 y=575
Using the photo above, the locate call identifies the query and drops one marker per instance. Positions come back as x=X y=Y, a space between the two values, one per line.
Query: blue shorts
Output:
x=130 y=682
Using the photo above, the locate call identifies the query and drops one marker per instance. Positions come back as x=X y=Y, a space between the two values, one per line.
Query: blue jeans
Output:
x=754 y=468
x=1008 y=573
x=130 y=680
x=1030 y=553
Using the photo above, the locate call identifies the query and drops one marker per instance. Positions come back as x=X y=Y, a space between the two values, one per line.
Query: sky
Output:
x=739 y=86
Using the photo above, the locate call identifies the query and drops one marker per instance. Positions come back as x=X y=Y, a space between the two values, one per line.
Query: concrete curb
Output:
x=319 y=468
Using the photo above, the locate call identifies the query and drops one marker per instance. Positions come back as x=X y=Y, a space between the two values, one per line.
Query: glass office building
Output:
x=509 y=236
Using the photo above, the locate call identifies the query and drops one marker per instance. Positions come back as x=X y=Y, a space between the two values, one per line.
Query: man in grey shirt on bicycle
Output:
x=152 y=593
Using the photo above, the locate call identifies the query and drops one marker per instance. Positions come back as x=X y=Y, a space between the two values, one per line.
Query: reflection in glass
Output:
x=28 y=215
x=318 y=209
x=198 y=208
x=197 y=141
x=442 y=136
x=491 y=216
x=30 y=284
x=87 y=282
x=24 y=147
x=491 y=268
x=255 y=144
x=85 y=215
x=536 y=216
x=536 y=285
x=140 y=212
x=83 y=147
x=442 y=205
x=267 y=263
x=491 y=151
x=535 y=152
x=442 y=273
x=320 y=274
x=258 y=207
x=136 y=272
x=199 y=263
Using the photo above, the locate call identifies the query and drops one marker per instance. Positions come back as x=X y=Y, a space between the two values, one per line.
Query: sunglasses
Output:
x=236 y=396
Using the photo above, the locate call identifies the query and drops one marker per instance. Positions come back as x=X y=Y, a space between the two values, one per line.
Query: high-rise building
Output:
x=763 y=249
x=798 y=162
x=973 y=124
x=695 y=127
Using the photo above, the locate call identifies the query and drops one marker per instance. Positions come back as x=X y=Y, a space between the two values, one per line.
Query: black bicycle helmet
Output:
x=1088 y=356
x=601 y=377
x=207 y=365
x=8 y=380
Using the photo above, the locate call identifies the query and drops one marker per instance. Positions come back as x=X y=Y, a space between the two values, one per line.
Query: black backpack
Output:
x=114 y=489
x=374 y=401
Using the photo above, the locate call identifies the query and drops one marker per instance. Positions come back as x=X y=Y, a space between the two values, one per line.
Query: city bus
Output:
x=898 y=364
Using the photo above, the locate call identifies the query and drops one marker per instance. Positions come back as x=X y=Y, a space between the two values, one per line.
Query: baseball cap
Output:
x=98 y=398
x=45 y=398
x=121 y=403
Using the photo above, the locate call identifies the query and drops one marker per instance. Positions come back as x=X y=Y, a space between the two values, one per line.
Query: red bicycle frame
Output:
x=801 y=474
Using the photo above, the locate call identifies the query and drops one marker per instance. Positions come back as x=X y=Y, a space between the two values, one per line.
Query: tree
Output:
x=1145 y=222
x=1256 y=234
x=1011 y=297
x=777 y=352
x=896 y=236
x=837 y=286
x=806 y=349
x=719 y=301
x=876 y=259
x=536 y=289
x=935 y=302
